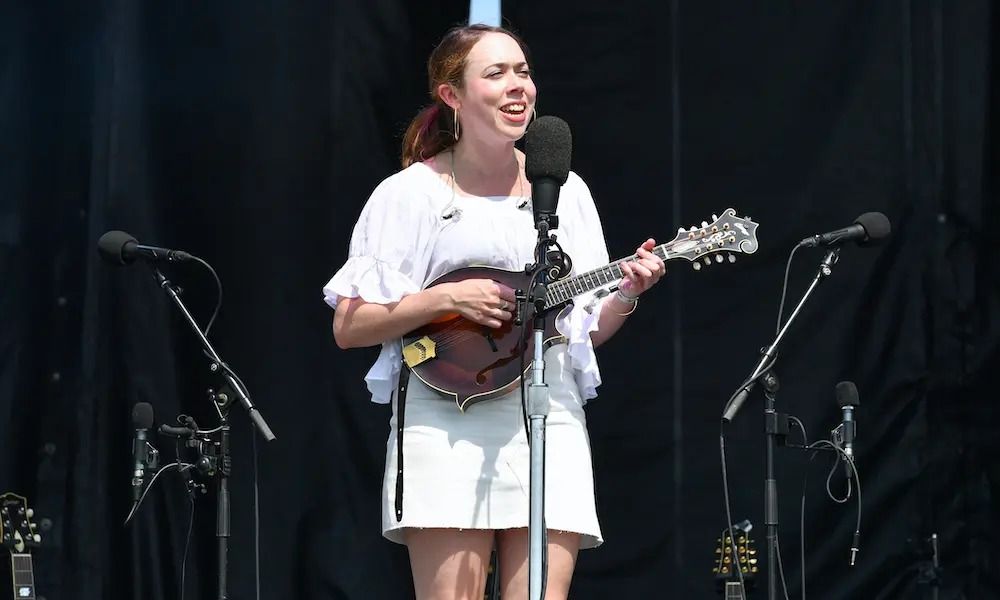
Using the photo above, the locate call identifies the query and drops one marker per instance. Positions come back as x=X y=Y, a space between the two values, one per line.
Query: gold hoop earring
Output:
x=455 y=128
x=534 y=114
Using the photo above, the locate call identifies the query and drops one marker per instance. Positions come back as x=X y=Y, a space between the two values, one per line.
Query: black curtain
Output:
x=252 y=133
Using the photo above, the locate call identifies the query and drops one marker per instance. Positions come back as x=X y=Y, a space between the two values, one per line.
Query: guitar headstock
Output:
x=745 y=557
x=17 y=531
x=725 y=237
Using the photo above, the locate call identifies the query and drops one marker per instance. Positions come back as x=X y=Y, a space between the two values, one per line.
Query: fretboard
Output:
x=564 y=290
x=23 y=576
x=734 y=591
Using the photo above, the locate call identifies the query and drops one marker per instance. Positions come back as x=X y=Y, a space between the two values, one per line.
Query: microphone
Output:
x=120 y=248
x=142 y=420
x=847 y=399
x=548 y=146
x=870 y=229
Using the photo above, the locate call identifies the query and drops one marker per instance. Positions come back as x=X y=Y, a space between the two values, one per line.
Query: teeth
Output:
x=513 y=108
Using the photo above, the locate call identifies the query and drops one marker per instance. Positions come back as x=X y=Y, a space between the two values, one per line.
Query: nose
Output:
x=514 y=83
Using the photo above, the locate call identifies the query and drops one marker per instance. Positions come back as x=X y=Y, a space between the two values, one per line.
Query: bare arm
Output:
x=639 y=277
x=357 y=323
x=614 y=312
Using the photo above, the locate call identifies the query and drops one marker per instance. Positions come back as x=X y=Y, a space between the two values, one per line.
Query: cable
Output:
x=149 y=486
x=781 y=570
x=218 y=286
x=187 y=545
x=256 y=512
x=722 y=430
x=729 y=515
x=784 y=288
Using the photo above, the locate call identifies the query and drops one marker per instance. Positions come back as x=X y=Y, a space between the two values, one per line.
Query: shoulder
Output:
x=575 y=185
x=416 y=186
x=416 y=178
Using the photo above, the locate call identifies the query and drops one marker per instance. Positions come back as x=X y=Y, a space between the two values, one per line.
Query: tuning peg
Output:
x=696 y=266
x=37 y=538
x=704 y=223
x=718 y=258
x=680 y=230
x=31 y=512
x=715 y=217
x=732 y=258
x=708 y=260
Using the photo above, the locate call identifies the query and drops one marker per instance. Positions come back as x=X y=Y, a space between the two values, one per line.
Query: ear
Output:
x=449 y=95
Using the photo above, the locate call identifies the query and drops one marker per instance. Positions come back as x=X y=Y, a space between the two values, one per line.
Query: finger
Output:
x=648 y=255
x=648 y=244
x=642 y=270
x=506 y=292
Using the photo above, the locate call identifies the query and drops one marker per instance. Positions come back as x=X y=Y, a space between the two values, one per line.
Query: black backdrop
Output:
x=252 y=133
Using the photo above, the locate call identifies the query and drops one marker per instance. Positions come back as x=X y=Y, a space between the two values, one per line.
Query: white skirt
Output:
x=471 y=470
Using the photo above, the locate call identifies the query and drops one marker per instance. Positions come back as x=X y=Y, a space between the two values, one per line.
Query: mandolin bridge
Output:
x=419 y=351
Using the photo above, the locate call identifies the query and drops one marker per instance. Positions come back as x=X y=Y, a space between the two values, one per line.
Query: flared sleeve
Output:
x=387 y=260
x=586 y=245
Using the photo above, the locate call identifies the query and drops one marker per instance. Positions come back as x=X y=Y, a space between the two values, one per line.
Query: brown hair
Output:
x=433 y=130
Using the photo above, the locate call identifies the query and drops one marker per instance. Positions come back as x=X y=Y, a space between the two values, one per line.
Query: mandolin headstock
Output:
x=725 y=237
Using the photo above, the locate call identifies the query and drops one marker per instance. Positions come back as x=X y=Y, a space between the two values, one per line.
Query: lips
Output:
x=514 y=112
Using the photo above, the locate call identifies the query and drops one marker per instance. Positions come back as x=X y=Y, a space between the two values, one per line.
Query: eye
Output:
x=524 y=72
x=494 y=74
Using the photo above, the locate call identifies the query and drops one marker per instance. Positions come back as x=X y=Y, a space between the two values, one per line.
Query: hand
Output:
x=482 y=300
x=642 y=274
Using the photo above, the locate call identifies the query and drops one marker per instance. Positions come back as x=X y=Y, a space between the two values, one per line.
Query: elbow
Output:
x=341 y=334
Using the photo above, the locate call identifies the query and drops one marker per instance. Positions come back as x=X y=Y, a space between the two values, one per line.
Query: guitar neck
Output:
x=734 y=591
x=23 y=576
x=564 y=290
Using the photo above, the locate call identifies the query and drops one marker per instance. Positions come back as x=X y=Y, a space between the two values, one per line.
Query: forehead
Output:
x=494 y=48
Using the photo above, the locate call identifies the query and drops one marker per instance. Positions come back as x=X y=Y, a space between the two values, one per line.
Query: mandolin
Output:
x=17 y=534
x=472 y=362
x=726 y=562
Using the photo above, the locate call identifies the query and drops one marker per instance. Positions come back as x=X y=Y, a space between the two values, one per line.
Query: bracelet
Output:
x=626 y=299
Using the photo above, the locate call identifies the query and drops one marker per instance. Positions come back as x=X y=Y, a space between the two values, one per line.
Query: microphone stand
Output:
x=538 y=411
x=775 y=424
x=222 y=529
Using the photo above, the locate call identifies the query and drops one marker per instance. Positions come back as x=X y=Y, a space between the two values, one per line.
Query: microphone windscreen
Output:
x=112 y=247
x=142 y=415
x=548 y=146
x=847 y=394
x=877 y=228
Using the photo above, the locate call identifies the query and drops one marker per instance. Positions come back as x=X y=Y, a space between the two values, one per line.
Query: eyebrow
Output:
x=502 y=65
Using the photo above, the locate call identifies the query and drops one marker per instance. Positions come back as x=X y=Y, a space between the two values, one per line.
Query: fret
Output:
x=733 y=591
x=22 y=576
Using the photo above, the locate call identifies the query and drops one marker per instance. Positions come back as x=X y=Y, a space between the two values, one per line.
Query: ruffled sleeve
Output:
x=588 y=248
x=387 y=260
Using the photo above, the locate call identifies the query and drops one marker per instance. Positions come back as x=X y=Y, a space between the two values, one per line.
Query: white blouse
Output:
x=410 y=232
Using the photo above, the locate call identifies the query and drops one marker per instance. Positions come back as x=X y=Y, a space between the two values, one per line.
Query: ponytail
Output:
x=429 y=133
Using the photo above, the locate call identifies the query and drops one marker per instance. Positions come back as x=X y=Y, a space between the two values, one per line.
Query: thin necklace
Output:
x=520 y=181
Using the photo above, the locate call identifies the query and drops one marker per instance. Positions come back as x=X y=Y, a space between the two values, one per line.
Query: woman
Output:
x=462 y=199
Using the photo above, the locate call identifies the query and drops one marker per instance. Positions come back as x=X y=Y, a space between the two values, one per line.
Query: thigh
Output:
x=449 y=563
x=512 y=546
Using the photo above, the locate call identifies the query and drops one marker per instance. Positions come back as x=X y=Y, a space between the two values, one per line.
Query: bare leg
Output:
x=513 y=552
x=449 y=564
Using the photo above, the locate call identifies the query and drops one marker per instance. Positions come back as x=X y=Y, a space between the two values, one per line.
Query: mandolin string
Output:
x=454 y=333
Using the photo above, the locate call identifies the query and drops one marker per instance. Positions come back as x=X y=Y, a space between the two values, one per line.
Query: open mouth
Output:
x=514 y=109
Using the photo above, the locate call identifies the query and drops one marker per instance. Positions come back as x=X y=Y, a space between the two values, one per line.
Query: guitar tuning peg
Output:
x=715 y=217
x=696 y=266
x=732 y=258
x=37 y=538
x=681 y=230
x=31 y=512
x=708 y=260
x=718 y=258
x=704 y=224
